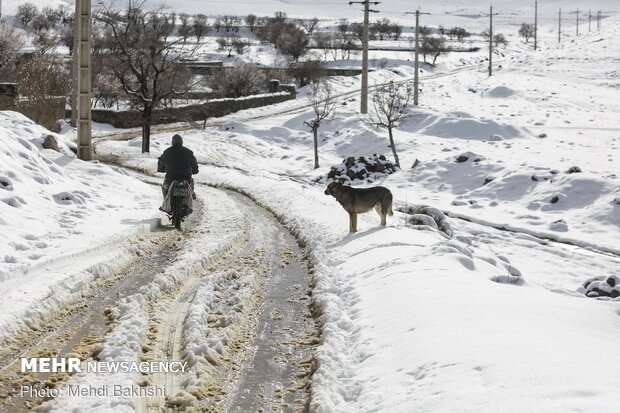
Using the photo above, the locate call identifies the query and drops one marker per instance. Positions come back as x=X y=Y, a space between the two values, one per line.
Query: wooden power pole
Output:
x=416 y=75
x=577 y=26
x=535 y=24
x=560 y=26
x=83 y=34
x=491 y=42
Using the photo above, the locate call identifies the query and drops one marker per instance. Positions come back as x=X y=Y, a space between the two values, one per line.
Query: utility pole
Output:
x=74 y=70
x=491 y=42
x=598 y=22
x=83 y=29
x=535 y=24
x=560 y=26
x=577 y=22
x=364 y=97
x=417 y=58
x=589 y=20
x=416 y=76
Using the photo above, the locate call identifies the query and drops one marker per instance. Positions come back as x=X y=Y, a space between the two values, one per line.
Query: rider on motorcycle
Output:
x=179 y=163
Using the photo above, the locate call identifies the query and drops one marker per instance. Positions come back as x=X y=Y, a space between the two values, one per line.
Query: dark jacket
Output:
x=177 y=162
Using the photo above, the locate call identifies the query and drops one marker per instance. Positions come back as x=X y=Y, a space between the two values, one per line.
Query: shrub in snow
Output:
x=573 y=169
x=361 y=169
x=602 y=287
x=559 y=226
x=429 y=216
x=469 y=156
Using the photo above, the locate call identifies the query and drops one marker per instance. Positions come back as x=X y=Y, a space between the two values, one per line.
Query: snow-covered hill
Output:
x=57 y=213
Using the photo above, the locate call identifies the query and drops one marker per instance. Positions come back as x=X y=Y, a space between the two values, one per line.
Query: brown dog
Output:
x=359 y=200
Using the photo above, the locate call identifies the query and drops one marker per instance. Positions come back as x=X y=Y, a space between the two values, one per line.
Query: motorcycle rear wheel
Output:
x=177 y=212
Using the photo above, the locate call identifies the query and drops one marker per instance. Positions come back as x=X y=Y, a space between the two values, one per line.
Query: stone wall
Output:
x=209 y=109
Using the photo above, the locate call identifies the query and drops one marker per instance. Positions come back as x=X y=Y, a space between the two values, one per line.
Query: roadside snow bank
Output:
x=63 y=222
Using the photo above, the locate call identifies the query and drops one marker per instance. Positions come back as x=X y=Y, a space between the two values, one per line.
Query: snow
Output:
x=51 y=204
x=487 y=314
x=485 y=320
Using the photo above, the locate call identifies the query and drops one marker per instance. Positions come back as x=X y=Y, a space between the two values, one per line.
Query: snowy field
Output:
x=490 y=318
x=414 y=319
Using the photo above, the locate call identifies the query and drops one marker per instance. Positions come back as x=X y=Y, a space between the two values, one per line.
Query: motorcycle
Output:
x=180 y=201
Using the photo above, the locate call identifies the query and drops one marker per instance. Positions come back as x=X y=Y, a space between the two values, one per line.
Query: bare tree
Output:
x=321 y=97
x=250 y=20
x=526 y=31
x=43 y=81
x=51 y=15
x=40 y=22
x=11 y=43
x=233 y=42
x=26 y=12
x=425 y=31
x=307 y=71
x=201 y=27
x=309 y=25
x=395 y=31
x=459 y=33
x=66 y=38
x=185 y=30
x=230 y=23
x=145 y=59
x=390 y=107
x=500 y=40
x=434 y=46
x=343 y=27
x=382 y=27
x=65 y=14
x=324 y=41
x=238 y=81
x=358 y=30
x=292 y=42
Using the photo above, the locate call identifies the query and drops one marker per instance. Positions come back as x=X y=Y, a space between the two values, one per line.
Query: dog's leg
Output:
x=352 y=222
x=381 y=211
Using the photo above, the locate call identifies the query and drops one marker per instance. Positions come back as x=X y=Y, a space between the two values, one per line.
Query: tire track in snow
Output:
x=212 y=322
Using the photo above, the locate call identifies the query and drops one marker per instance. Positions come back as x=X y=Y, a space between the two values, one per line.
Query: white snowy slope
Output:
x=63 y=221
x=414 y=320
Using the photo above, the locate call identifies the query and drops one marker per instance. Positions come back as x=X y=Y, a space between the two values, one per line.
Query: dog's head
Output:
x=333 y=188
